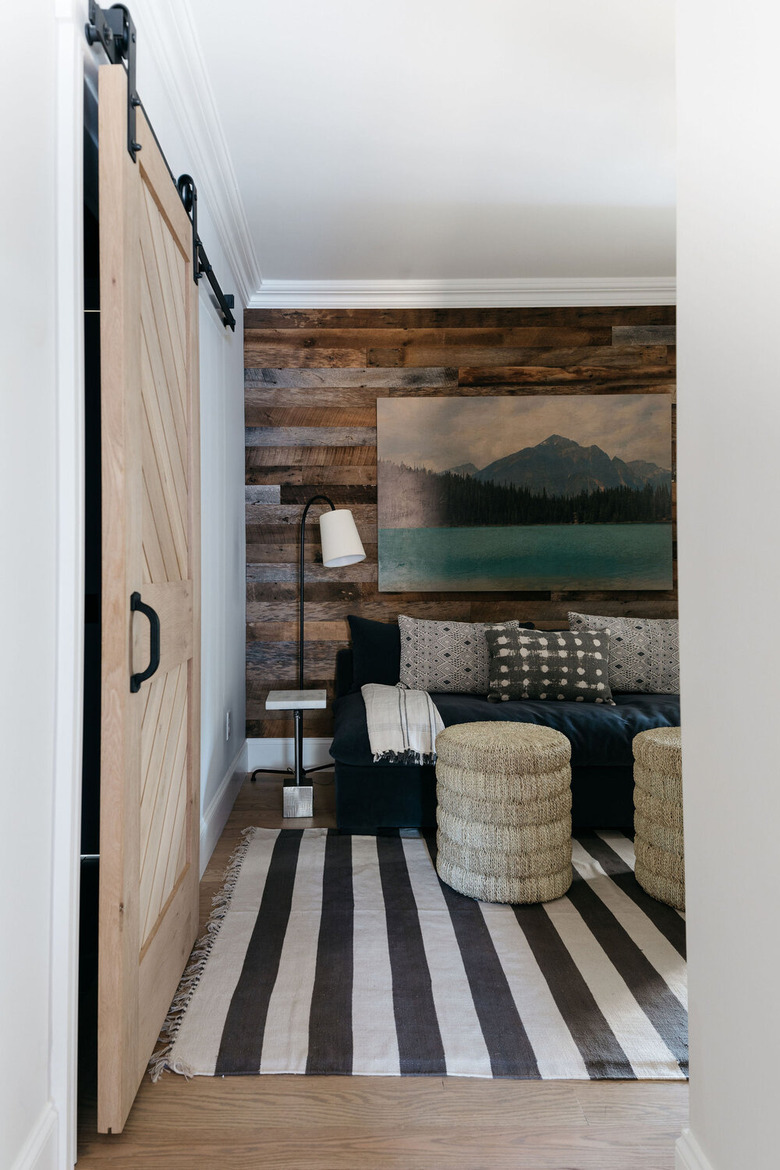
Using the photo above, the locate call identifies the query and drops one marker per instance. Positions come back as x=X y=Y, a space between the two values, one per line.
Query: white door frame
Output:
x=73 y=61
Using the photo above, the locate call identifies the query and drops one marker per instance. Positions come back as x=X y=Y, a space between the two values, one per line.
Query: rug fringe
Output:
x=160 y=1060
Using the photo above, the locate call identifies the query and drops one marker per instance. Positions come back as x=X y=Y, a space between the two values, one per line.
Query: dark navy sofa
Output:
x=373 y=796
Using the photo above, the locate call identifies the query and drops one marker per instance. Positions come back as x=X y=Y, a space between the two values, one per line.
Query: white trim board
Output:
x=279 y=753
x=472 y=294
x=214 y=818
x=57 y=1129
x=39 y=1152
x=688 y=1154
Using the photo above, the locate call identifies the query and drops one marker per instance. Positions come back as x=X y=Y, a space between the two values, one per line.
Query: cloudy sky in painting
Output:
x=439 y=433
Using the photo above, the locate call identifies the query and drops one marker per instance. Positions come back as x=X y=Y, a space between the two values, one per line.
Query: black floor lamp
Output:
x=341 y=545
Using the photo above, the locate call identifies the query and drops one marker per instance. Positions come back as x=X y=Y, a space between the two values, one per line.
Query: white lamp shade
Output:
x=341 y=544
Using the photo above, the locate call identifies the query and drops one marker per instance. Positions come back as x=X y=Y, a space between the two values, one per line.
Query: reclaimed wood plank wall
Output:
x=312 y=378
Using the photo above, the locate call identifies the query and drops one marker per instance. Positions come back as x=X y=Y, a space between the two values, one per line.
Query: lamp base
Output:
x=298 y=800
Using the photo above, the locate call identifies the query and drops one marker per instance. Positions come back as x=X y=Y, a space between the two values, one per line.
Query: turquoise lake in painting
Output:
x=540 y=556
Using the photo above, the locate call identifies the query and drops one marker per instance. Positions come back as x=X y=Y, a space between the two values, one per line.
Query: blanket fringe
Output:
x=160 y=1060
x=407 y=757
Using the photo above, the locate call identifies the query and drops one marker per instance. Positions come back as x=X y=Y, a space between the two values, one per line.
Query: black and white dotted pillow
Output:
x=555 y=664
x=445 y=656
x=644 y=653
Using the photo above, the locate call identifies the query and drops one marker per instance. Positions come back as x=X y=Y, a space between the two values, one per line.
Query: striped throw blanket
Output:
x=402 y=724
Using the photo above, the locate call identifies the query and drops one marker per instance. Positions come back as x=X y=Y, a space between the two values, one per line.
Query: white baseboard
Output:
x=688 y=1154
x=214 y=817
x=39 y=1152
x=279 y=753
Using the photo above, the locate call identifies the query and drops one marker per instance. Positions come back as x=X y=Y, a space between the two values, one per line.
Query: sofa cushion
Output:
x=599 y=735
x=644 y=653
x=376 y=652
x=446 y=656
x=548 y=664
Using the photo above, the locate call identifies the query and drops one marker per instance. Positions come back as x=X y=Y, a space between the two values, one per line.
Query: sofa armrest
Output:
x=343 y=672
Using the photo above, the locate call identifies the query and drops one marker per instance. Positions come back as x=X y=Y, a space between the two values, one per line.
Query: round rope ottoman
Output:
x=504 y=811
x=658 y=816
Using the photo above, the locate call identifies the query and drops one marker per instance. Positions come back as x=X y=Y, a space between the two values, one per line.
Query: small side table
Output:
x=298 y=796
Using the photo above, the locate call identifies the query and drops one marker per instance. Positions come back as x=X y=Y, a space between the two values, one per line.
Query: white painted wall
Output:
x=28 y=582
x=729 y=502
x=223 y=674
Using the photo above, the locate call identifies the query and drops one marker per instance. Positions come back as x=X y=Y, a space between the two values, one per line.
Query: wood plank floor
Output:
x=374 y=1123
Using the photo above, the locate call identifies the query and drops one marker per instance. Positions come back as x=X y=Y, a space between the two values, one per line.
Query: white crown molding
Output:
x=688 y=1154
x=166 y=32
x=477 y=293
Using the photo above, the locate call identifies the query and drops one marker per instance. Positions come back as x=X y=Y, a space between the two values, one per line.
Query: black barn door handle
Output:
x=136 y=605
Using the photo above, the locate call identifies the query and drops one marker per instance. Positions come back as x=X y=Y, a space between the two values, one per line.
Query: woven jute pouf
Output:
x=658 y=819
x=504 y=811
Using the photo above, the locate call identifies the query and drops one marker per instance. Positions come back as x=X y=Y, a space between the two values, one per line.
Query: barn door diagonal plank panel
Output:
x=150 y=734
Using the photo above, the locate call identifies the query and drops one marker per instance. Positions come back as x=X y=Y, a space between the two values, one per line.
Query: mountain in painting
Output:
x=464 y=469
x=562 y=467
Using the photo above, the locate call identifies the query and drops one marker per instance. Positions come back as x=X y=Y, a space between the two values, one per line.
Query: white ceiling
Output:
x=448 y=139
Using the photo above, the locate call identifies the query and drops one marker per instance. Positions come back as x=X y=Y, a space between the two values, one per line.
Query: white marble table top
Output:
x=295 y=700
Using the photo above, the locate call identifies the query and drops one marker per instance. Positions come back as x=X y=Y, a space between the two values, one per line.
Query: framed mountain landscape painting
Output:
x=532 y=492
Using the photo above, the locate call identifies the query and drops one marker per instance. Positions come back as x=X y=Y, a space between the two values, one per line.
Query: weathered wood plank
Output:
x=584 y=316
x=643 y=334
x=314 y=591
x=347 y=495
x=552 y=611
x=332 y=610
x=639 y=597
x=310 y=456
x=463 y=355
x=289 y=516
x=307 y=415
x=389 y=605
x=275 y=553
x=262 y=494
x=278 y=659
x=336 y=340
x=318 y=476
x=309 y=436
x=293 y=357
x=361 y=377
x=520 y=380
x=316 y=631
x=654 y=379
x=363 y=571
x=335 y=628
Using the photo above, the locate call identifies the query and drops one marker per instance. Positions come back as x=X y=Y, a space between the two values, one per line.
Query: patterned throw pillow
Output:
x=446 y=656
x=553 y=664
x=644 y=654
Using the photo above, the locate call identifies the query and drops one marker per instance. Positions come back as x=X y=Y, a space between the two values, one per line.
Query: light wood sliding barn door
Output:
x=150 y=789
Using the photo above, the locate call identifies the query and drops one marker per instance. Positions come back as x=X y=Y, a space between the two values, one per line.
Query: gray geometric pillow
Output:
x=445 y=656
x=644 y=653
x=551 y=664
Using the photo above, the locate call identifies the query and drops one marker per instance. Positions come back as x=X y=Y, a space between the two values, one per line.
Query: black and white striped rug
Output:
x=346 y=954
